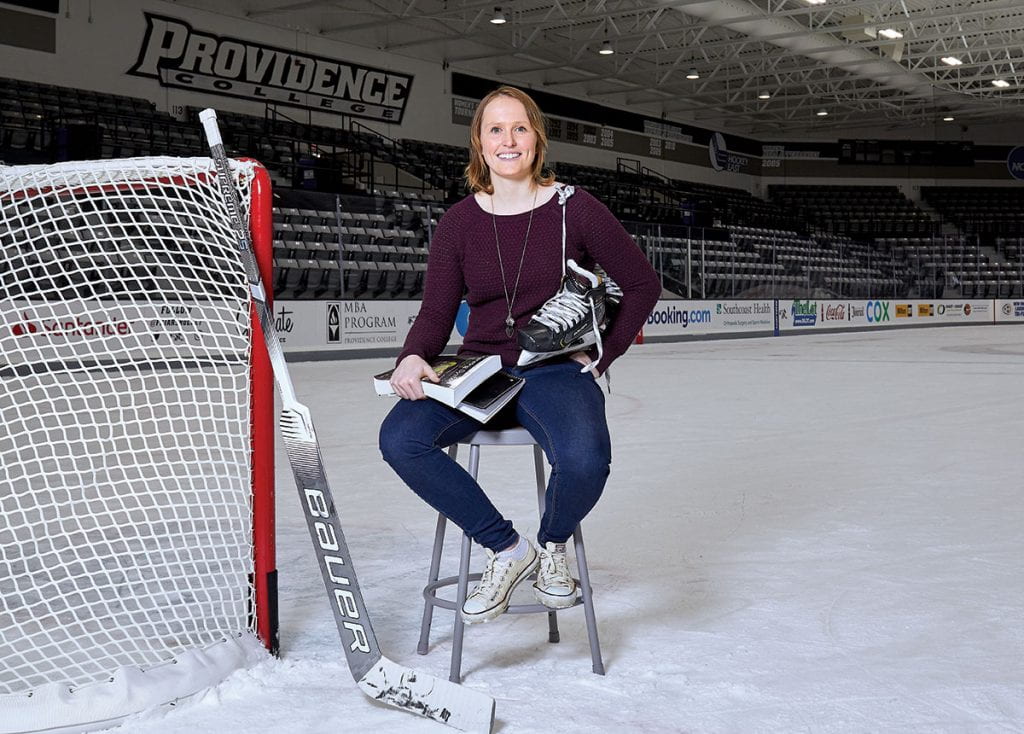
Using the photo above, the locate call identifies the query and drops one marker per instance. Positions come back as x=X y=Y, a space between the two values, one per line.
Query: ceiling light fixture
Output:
x=764 y=94
x=951 y=60
x=693 y=73
x=499 y=17
x=948 y=118
x=891 y=33
x=822 y=112
x=606 y=48
x=1001 y=83
x=815 y=2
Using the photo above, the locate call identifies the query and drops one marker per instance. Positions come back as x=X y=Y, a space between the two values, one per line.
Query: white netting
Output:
x=125 y=448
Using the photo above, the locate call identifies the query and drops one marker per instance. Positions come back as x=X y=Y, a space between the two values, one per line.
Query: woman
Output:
x=503 y=248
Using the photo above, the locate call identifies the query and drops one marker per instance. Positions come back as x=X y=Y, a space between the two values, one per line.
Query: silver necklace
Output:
x=510 y=323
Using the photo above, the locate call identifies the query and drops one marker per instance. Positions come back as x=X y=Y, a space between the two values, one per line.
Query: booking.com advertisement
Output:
x=686 y=318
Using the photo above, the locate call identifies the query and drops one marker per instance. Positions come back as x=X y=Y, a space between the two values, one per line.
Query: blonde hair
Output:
x=478 y=175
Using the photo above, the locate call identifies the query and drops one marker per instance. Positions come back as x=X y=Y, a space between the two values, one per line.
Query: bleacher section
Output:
x=857 y=211
x=356 y=210
x=991 y=210
x=351 y=252
x=958 y=265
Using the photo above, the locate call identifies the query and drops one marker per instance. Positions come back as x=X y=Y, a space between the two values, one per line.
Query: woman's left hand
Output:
x=584 y=359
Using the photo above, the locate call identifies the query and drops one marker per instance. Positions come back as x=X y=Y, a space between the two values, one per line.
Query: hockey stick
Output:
x=378 y=677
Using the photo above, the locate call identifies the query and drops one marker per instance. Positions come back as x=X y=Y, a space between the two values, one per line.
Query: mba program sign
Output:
x=179 y=56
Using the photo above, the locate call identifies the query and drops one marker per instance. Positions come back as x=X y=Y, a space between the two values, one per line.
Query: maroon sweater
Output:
x=463 y=262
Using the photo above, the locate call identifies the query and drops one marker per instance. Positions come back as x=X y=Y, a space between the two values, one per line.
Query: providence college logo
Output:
x=180 y=56
x=333 y=323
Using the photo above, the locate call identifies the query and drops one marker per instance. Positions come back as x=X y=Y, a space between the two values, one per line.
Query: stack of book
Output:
x=475 y=385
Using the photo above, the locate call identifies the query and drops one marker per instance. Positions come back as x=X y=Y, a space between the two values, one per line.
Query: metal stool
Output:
x=507 y=437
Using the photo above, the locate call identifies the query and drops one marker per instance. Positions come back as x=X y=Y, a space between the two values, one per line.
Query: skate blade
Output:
x=527 y=357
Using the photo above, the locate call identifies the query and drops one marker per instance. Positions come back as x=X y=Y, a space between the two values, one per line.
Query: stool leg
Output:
x=435 y=567
x=538 y=467
x=455 y=673
x=588 y=601
x=459 y=629
x=553 y=635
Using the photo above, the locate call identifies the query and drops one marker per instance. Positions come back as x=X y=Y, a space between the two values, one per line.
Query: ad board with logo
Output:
x=685 y=318
x=323 y=326
x=815 y=313
x=1009 y=310
x=34 y=331
x=317 y=326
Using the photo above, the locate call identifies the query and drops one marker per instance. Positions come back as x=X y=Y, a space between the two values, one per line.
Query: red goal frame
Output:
x=262 y=416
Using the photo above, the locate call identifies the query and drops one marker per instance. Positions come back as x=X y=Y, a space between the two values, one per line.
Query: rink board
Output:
x=325 y=326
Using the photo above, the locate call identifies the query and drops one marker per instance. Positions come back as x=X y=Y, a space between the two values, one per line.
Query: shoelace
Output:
x=488 y=581
x=554 y=564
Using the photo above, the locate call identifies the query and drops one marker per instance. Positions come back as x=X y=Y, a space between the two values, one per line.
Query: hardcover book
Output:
x=475 y=385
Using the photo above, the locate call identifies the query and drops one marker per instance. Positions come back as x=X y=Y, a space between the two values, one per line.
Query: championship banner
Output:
x=179 y=56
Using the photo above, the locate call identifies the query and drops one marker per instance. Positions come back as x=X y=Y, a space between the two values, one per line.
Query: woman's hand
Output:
x=584 y=359
x=408 y=375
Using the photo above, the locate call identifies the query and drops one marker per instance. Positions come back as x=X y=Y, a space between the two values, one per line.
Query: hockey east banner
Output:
x=183 y=57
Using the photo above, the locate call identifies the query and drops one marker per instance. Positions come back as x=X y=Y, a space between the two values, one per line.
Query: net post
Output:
x=265 y=568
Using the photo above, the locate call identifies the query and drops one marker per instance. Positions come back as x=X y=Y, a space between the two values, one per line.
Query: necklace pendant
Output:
x=510 y=325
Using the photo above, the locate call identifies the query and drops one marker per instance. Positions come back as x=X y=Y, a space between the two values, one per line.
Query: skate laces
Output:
x=564 y=310
x=612 y=291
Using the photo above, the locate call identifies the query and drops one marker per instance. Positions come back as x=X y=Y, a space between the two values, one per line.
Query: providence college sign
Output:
x=180 y=56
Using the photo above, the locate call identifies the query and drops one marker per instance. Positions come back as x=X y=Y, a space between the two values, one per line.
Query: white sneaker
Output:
x=555 y=587
x=500 y=577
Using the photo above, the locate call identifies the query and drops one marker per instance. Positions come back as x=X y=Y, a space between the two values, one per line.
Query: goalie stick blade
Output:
x=441 y=700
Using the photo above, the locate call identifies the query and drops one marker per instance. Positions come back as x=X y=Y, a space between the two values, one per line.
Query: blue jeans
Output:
x=562 y=408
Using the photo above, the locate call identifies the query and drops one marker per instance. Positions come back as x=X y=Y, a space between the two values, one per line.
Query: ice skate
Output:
x=572 y=319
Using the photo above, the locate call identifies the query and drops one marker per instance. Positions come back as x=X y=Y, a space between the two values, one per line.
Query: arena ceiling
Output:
x=763 y=66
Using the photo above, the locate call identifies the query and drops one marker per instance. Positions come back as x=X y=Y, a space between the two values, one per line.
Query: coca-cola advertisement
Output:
x=833 y=312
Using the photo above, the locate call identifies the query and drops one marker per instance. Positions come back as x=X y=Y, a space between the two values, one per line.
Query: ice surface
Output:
x=819 y=533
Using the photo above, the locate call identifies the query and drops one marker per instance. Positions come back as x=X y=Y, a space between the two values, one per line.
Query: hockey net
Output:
x=136 y=440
